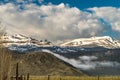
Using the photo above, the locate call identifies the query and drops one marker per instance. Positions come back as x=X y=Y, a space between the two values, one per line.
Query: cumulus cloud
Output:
x=28 y=1
x=54 y=22
x=109 y=14
x=58 y=22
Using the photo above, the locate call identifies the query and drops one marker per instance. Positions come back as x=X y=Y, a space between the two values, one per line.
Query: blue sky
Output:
x=61 y=19
x=83 y=4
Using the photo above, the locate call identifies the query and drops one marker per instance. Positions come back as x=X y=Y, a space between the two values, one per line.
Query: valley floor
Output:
x=74 y=78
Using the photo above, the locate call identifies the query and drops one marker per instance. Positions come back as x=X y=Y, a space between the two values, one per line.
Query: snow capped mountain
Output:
x=16 y=38
x=21 y=40
x=23 y=43
x=105 y=41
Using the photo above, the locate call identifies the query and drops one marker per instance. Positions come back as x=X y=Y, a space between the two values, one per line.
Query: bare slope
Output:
x=40 y=63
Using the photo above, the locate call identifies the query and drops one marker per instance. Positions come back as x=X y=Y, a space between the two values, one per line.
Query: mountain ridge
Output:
x=21 y=40
x=104 y=41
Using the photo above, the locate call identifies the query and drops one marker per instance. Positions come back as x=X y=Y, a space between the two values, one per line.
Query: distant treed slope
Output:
x=40 y=63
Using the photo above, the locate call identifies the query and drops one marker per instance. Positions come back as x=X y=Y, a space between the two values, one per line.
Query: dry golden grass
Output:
x=39 y=78
x=73 y=78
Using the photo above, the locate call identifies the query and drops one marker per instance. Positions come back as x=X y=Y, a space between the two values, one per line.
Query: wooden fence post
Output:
x=17 y=71
x=98 y=77
x=24 y=78
x=48 y=77
x=21 y=77
x=60 y=78
x=12 y=78
x=28 y=76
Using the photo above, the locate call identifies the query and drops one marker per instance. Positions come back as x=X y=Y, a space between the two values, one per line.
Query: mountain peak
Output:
x=104 y=41
x=19 y=39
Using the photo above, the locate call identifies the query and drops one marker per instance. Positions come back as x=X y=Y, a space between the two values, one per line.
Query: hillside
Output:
x=41 y=63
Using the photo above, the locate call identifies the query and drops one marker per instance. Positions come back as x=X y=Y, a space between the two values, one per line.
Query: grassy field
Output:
x=73 y=78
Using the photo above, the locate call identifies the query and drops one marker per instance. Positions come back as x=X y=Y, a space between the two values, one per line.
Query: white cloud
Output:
x=74 y=62
x=25 y=1
x=110 y=14
x=85 y=62
x=54 y=22
x=88 y=58
x=20 y=1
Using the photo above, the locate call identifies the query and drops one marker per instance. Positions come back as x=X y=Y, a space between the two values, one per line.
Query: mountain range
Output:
x=94 y=56
x=104 y=41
